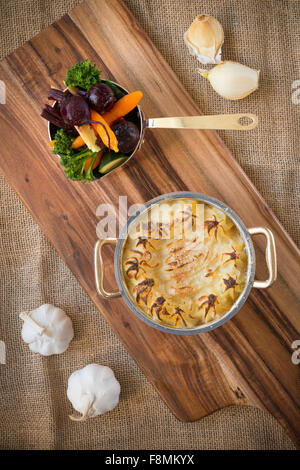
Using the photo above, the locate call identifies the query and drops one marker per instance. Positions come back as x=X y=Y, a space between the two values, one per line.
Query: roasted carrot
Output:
x=96 y=162
x=106 y=134
x=123 y=106
x=78 y=142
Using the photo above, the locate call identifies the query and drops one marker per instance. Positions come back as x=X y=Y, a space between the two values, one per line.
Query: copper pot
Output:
x=250 y=281
x=217 y=122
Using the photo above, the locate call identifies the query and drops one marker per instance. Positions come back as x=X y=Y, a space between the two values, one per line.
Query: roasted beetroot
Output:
x=100 y=97
x=57 y=95
x=75 y=111
x=53 y=115
x=127 y=135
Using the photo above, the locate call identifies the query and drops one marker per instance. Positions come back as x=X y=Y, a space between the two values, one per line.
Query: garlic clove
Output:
x=232 y=80
x=205 y=38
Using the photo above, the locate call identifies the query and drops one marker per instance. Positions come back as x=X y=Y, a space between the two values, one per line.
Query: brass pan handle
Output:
x=219 y=121
x=271 y=258
x=99 y=268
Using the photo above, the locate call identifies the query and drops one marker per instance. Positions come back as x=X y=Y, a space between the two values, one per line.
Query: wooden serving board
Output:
x=246 y=361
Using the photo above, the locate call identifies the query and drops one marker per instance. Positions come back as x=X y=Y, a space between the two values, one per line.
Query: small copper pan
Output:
x=239 y=122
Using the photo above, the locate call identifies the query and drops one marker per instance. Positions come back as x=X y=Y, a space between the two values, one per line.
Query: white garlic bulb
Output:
x=93 y=390
x=47 y=330
x=204 y=39
x=232 y=80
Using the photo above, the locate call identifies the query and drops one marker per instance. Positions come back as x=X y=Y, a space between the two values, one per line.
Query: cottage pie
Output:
x=184 y=263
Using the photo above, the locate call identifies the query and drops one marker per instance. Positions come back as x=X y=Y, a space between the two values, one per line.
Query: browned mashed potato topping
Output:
x=184 y=263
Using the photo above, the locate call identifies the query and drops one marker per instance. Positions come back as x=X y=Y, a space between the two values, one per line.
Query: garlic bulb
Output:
x=93 y=390
x=204 y=39
x=47 y=330
x=232 y=80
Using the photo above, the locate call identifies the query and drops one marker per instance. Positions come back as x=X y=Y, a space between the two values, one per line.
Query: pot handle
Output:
x=271 y=258
x=99 y=268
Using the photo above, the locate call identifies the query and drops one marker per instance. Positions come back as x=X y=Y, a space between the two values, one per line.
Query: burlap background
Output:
x=34 y=407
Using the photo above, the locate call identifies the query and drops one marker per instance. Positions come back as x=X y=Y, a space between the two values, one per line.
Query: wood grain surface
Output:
x=246 y=361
